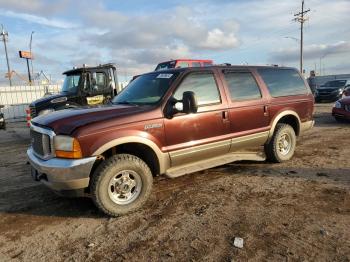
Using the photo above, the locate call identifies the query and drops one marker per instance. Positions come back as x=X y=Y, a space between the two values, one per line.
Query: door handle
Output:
x=224 y=115
x=266 y=111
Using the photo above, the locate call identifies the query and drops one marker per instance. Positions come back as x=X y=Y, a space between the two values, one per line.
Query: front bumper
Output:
x=341 y=113
x=62 y=174
x=328 y=97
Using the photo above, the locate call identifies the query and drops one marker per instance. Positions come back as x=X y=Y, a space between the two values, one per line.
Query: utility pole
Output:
x=299 y=17
x=30 y=50
x=4 y=36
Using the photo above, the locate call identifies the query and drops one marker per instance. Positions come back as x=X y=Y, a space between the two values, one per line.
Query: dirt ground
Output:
x=295 y=211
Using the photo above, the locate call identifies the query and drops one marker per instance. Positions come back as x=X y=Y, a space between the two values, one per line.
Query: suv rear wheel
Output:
x=121 y=184
x=281 y=147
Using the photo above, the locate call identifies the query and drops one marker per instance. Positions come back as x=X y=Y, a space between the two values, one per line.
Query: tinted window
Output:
x=70 y=83
x=165 y=65
x=146 y=89
x=196 y=64
x=100 y=80
x=283 y=82
x=207 y=64
x=182 y=64
x=203 y=85
x=242 y=86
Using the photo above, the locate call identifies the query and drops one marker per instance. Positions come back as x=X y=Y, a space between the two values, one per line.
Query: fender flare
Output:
x=279 y=117
x=163 y=158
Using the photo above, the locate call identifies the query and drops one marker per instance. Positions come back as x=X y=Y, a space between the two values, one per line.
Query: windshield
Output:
x=335 y=83
x=146 y=89
x=165 y=65
x=70 y=84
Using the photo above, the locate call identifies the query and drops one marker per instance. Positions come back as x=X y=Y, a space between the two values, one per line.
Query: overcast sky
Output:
x=136 y=35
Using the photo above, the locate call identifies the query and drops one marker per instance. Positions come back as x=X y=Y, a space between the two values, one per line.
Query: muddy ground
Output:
x=295 y=211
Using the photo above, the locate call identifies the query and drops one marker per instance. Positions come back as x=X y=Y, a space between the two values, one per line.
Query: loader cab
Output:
x=85 y=86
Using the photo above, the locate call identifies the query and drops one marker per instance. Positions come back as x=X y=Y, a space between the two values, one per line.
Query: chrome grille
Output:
x=41 y=141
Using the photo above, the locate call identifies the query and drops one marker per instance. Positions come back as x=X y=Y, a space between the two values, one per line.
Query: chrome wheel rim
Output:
x=124 y=187
x=284 y=144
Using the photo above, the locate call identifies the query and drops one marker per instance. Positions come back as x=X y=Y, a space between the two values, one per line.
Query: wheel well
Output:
x=140 y=150
x=292 y=121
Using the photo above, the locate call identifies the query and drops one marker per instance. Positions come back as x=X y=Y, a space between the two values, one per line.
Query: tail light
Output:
x=28 y=116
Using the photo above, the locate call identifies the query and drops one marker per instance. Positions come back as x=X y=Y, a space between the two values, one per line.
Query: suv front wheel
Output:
x=281 y=147
x=121 y=184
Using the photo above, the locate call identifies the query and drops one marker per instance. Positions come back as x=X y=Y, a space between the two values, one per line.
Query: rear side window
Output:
x=204 y=87
x=283 y=82
x=196 y=64
x=242 y=86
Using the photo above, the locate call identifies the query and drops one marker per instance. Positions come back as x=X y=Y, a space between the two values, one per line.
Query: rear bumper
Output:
x=304 y=126
x=62 y=174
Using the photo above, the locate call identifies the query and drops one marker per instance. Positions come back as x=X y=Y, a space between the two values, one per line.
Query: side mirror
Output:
x=189 y=102
x=187 y=105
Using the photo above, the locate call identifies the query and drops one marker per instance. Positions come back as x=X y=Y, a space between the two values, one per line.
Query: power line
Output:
x=300 y=17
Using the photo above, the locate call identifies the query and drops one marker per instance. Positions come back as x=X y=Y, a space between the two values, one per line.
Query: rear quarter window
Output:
x=283 y=82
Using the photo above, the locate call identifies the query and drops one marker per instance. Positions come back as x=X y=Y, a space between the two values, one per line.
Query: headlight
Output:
x=46 y=111
x=337 y=104
x=67 y=147
x=341 y=90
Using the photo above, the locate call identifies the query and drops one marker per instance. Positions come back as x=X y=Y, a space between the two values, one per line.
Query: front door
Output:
x=204 y=134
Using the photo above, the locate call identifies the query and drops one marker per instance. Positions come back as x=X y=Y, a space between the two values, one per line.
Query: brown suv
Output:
x=172 y=122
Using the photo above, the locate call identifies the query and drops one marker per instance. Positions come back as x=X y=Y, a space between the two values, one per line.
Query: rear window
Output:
x=165 y=65
x=182 y=65
x=283 y=82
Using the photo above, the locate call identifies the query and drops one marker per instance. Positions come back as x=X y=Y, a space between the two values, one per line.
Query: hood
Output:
x=331 y=87
x=345 y=100
x=66 y=121
x=46 y=99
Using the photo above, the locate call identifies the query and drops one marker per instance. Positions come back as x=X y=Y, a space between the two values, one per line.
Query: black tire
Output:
x=272 y=149
x=101 y=188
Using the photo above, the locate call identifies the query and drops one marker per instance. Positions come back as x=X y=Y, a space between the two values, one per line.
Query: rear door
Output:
x=204 y=134
x=248 y=110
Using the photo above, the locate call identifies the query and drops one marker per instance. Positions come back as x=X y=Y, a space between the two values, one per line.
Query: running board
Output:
x=213 y=162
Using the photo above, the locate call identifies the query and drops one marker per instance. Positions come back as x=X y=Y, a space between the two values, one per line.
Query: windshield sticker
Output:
x=167 y=76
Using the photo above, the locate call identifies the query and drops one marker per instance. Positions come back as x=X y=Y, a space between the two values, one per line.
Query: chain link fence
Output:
x=16 y=99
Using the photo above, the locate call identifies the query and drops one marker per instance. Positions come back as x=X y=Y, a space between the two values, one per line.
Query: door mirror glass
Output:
x=189 y=102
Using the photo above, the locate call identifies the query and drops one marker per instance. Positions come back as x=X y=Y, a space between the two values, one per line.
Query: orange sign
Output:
x=25 y=54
